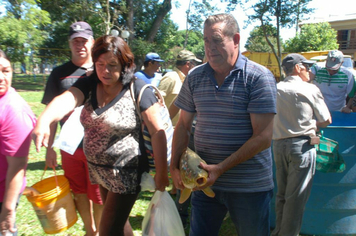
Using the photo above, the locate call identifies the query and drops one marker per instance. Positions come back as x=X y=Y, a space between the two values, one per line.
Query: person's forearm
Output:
x=53 y=130
x=248 y=150
x=54 y=112
x=323 y=124
x=173 y=111
x=14 y=181
x=349 y=103
x=180 y=142
x=57 y=109
x=158 y=141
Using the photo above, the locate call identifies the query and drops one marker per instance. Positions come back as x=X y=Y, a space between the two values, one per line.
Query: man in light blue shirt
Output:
x=149 y=74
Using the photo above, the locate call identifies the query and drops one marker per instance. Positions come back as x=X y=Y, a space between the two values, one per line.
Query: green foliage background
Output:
x=313 y=37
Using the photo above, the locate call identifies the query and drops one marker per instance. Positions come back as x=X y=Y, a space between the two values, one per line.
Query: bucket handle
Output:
x=55 y=176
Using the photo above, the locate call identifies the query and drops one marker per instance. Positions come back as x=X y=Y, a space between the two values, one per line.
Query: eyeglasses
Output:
x=307 y=67
x=192 y=64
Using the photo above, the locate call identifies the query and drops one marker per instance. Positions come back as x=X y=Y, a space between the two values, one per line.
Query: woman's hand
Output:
x=177 y=180
x=40 y=136
x=7 y=221
x=161 y=181
x=51 y=158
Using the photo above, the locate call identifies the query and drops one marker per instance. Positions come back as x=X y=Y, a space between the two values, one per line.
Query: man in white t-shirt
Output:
x=335 y=82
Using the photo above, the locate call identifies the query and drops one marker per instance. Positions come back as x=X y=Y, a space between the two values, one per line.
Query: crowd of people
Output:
x=227 y=109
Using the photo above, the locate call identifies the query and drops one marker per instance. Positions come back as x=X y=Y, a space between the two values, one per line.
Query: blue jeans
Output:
x=248 y=211
x=183 y=209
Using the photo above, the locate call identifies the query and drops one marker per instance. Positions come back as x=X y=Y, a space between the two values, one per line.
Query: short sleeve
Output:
x=185 y=97
x=321 y=111
x=148 y=97
x=263 y=92
x=351 y=88
x=85 y=85
x=16 y=129
x=51 y=90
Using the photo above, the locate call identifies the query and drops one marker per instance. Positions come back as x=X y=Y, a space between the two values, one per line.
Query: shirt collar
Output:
x=180 y=74
x=240 y=62
x=293 y=78
x=239 y=65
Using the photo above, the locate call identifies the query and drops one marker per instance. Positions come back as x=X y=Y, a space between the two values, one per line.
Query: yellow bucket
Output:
x=54 y=205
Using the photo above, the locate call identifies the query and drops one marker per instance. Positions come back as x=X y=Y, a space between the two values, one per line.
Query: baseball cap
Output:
x=80 y=29
x=186 y=55
x=152 y=56
x=334 y=60
x=294 y=58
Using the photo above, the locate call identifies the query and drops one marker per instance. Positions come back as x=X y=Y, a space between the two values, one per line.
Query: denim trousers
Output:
x=248 y=211
x=183 y=208
x=295 y=168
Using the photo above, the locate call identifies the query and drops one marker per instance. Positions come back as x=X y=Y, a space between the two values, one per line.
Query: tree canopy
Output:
x=41 y=26
x=257 y=42
x=313 y=37
x=21 y=29
x=280 y=13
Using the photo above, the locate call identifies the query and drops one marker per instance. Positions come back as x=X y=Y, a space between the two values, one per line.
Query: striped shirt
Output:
x=223 y=120
x=335 y=88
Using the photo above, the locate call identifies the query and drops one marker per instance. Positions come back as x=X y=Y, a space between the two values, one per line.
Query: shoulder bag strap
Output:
x=133 y=96
x=137 y=102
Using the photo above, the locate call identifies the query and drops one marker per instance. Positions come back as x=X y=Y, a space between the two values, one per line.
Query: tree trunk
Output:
x=163 y=11
x=130 y=18
x=279 y=56
x=23 y=68
x=187 y=26
x=297 y=20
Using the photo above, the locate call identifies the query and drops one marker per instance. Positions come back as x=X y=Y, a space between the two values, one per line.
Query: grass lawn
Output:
x=31 y=89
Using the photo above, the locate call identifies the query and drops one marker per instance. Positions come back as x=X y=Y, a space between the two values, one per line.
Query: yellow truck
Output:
x=269 y=60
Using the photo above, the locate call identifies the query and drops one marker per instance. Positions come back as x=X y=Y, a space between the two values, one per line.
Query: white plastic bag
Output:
x=162 y=217
x=71 y=133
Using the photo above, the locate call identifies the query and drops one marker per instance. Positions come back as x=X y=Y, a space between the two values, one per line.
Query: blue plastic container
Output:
x=331 y=209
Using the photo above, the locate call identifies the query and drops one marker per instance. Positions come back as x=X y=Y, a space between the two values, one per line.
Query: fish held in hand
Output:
x=192 y=174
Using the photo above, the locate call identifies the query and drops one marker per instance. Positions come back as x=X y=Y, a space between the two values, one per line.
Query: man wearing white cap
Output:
x=335 y=82
x=86 y=195
x=149 y=73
